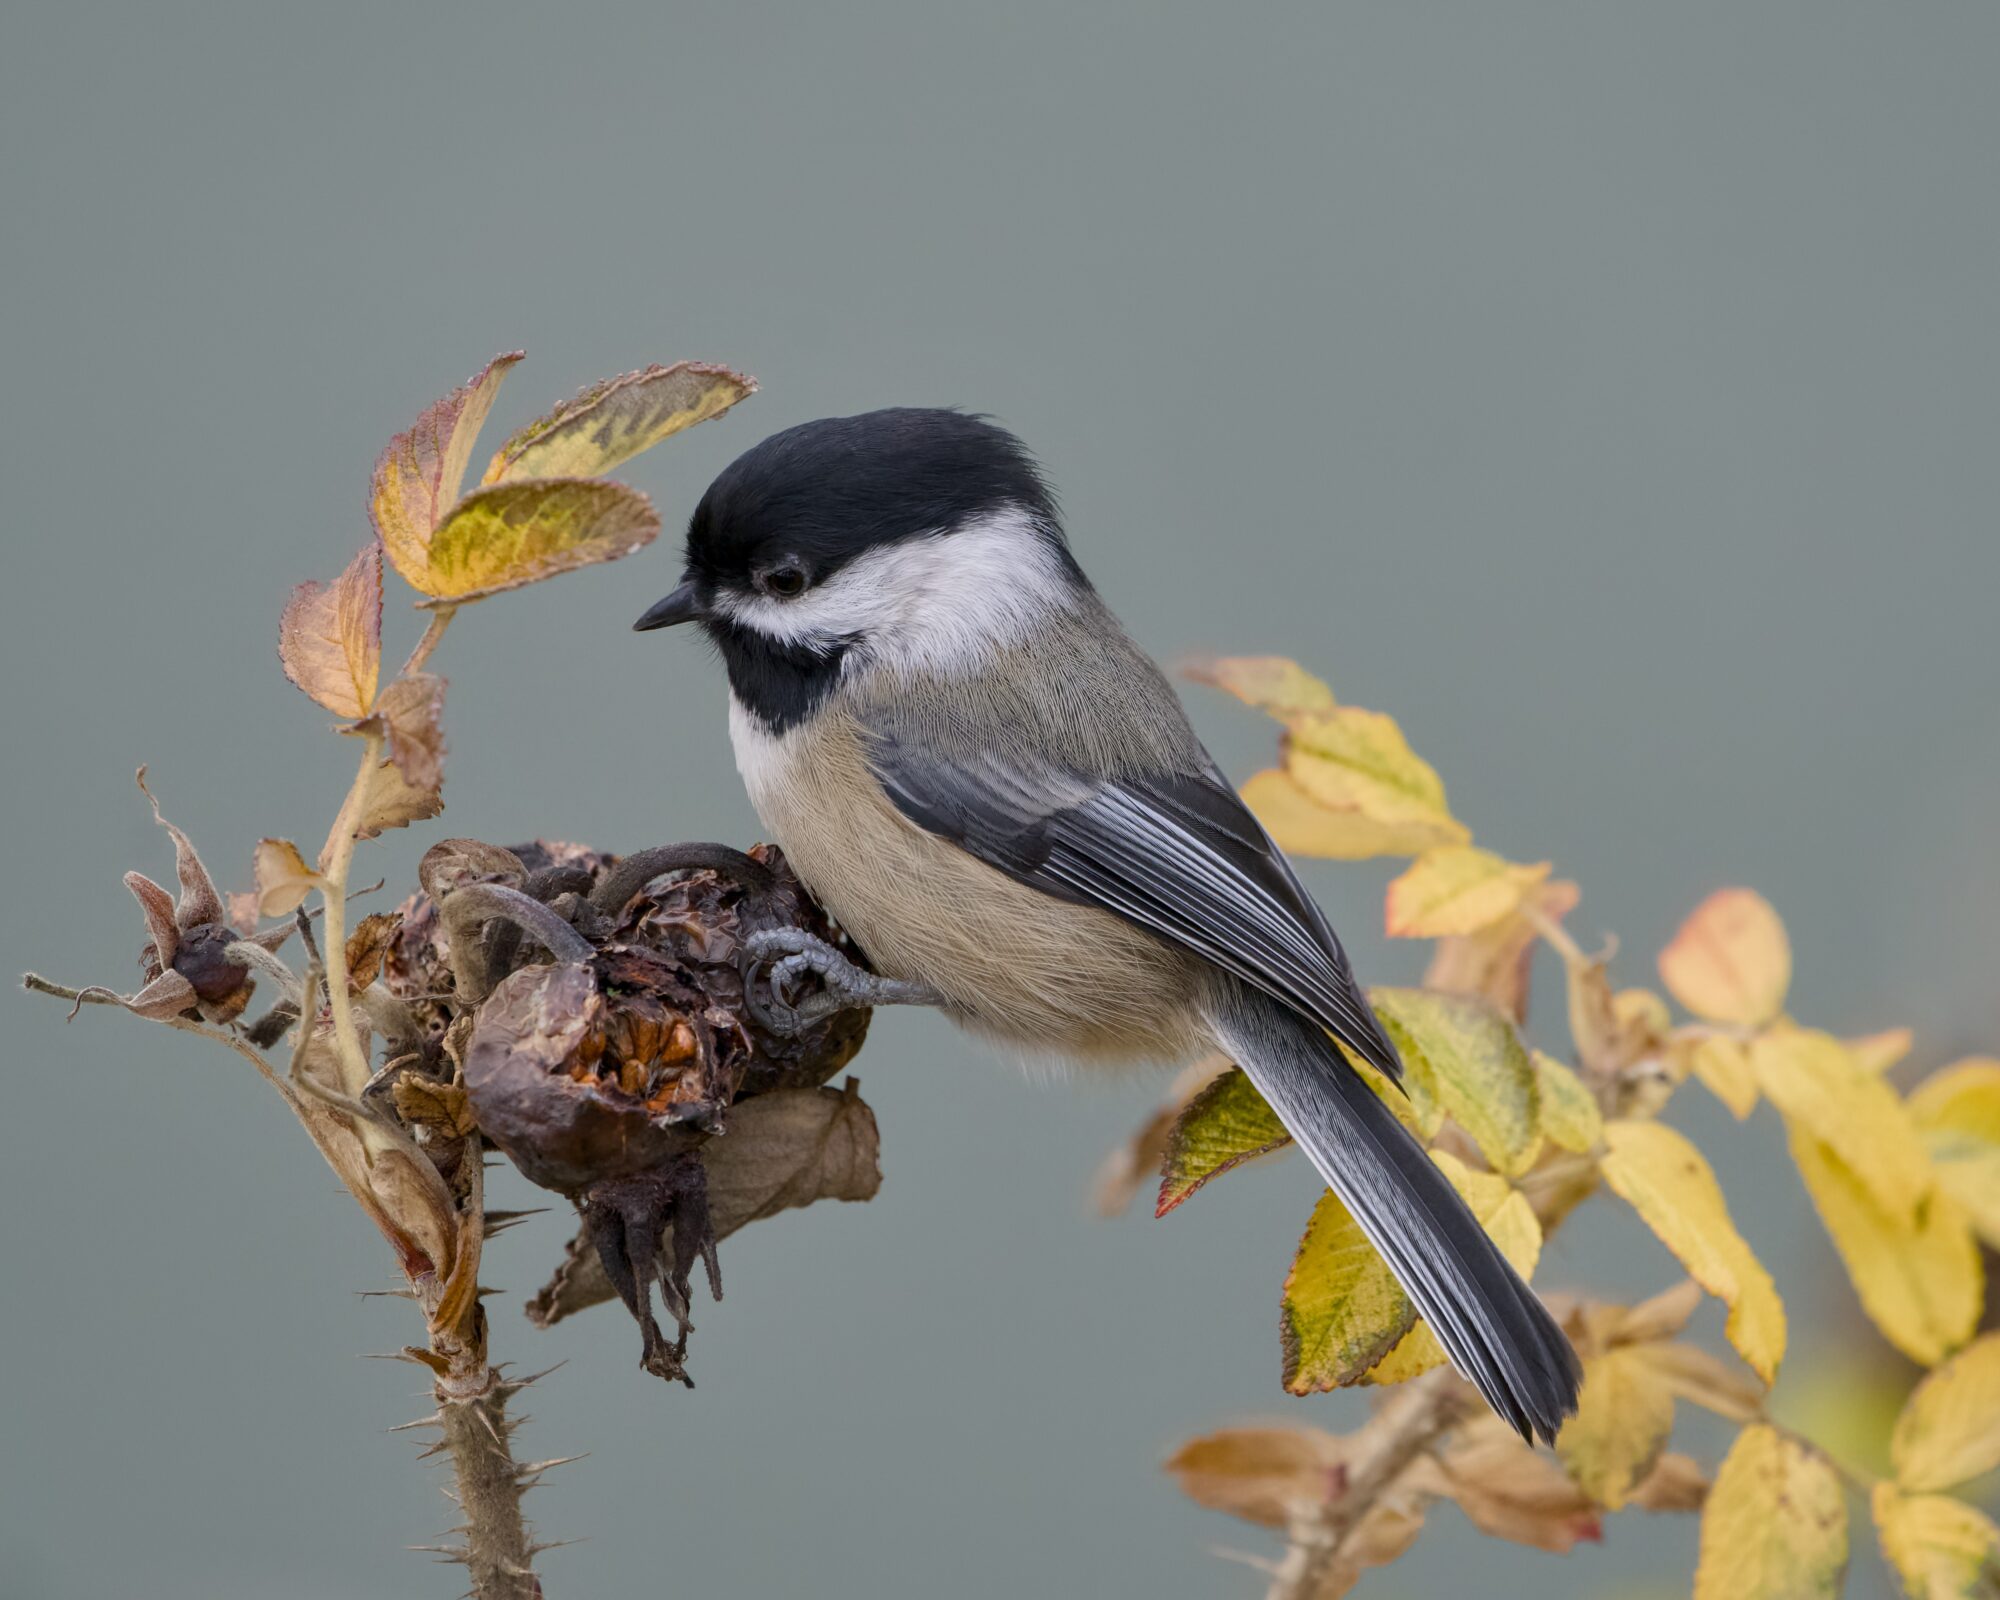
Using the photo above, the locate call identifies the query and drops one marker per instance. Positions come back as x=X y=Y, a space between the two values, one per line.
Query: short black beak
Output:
x=683 y=605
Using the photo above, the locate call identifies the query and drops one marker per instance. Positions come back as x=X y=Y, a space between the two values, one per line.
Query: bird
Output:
x=1001 y=801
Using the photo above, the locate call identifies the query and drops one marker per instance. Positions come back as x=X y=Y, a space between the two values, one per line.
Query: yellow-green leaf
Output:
x=613 y=421
x=1457 y=889
x=1509 y=1220
x=1343 y=1309
x=1227 y=1123
x=1731 y=961
x=1941 y=1548
x=1270 y=683
x=1723 y=1066
x=1668 y=1182
x=520 y=533
x=418 y=475
x=1775 y=1525
x=283 y=878
x=1357 y=762
x=1623 y=1417
x=1950 y=1428
x=1570 y=1116
x=1462 y=1057
x=1810 y=1077
x=1957 y=1113
x=330 y=636
x=1918 y=1278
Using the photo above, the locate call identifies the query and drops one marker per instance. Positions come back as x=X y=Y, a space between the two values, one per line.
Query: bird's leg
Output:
x=845 y=987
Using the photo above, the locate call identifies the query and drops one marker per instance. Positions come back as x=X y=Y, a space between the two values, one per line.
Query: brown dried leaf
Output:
x=443 y=1106
x=613 y=421
x=410 y=710
x=283 y=878
x=1513 y=1492
x=1676 y=1483
x=330 y=636
x=1269 y=1476
x=418 y=475
x=392 y=801
x=782 y=1150
x=367 y=944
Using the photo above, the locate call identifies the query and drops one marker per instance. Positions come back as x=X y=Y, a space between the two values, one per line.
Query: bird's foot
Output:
x=792 y=953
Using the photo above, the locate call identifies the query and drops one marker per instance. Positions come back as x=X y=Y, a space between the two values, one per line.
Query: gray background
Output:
x=1608 y=391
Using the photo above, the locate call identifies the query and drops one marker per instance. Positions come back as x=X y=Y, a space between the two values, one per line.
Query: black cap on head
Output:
x=829 y=490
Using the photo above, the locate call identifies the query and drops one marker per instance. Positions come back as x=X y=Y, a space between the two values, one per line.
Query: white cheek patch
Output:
x=934 y=603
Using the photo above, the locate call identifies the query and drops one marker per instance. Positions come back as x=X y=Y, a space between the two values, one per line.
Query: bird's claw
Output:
x=791 y=953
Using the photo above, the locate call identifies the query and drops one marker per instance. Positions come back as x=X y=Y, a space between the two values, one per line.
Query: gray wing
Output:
x=1178 y=853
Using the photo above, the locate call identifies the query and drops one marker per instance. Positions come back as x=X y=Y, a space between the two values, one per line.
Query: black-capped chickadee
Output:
x=1002 y=802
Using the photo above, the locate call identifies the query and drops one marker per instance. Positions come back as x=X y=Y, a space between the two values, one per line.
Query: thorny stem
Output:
x=440 y=620
x=340 y=853
x=497 y=1549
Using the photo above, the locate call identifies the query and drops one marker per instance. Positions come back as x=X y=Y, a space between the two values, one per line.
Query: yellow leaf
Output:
x=1731 y=961
x=1878 y=1052
x=1623 y=1417
x=1941 y=1548
x=1503 y=1211
x=1775 y=1527
x=1957 y=1113
x=1919 y=1279
x=1343 y=1309
x=1457 y=889
x=1668 y=1182
x=330 y=636
x=1723 y=1066
x=1570 y=1116
x=1950 y=1428
x=1226 y=1124
x=1303 y=826
x=418 y=475
x=1464 y=1058
x=1270 y=683
x=613 y=421
x=1264 y=1475
x=283 y=878
x=514 y=534
x=1495 y=963
x=1357 y=763
x=1820 y=1088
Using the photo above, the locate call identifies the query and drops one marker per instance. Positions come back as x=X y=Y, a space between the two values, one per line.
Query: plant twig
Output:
x=354 y=1069
x=440 y=620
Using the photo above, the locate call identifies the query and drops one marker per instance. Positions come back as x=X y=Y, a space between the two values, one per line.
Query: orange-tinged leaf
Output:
x=1270 y=683
x=1731 y=961
x=1957 y=1113
x=283 y=878
x=1723 y=1066
x=392 y=801
x=515 y=534
x=1810 y=1077
x=1668 y=1182
x=1457 y=889
x=613 y=421
x=1343 y=1309
x=1269 y=1476
x=1509 y=1220
x=1464 y=1058
x=1918 y=1279
x=417 y=477
x=330 y=636
x=1495 y=963
x=1623 y=1416
x=1512 y=1492
x=1878 y=1052
x=1302 y=826
x=1775 y=1527
x=1949 y=1431
x=1941 y=1548
x=1226 y=1124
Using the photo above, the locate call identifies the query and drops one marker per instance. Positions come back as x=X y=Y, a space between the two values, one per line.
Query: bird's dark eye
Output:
x=785 y=581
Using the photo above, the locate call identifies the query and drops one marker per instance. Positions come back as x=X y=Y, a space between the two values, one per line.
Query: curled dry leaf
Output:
x=1457 y=889
x=1957 y=1113
x=1668 y=1182
x=1730 y=961
x=411 y=715
x=613 y=421
x=1775 y=1527
x=1510 y=1491
x=392 y=801
x=1919 y=1279
x=330 y=636
x=1271 y=1476
x=367 y=944
x=417 y=477
x=283 y=878
x=514 y=534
